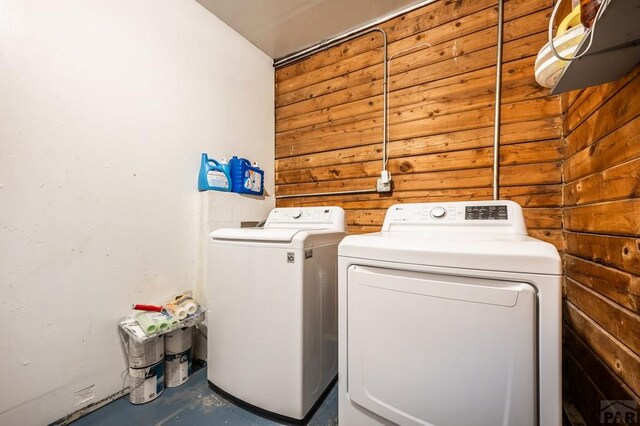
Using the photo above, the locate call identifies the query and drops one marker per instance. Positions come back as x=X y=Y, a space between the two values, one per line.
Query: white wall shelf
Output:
x=614 y=52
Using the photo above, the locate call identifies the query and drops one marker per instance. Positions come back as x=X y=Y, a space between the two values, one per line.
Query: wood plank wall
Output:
x=329 y=117
x=602 y=234
x=329 y=126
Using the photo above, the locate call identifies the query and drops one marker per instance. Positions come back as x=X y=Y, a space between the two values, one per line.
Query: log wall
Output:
x=329 y=116
x=572 y=163
x=602 y=237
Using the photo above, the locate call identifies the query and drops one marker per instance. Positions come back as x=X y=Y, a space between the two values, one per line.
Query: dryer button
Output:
x=438 y=213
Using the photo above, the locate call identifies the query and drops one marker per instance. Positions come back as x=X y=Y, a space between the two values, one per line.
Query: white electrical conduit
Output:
x=354 y=34
x=326 y=44
x=317 y=194
x=385 y=130
x=496 y=118
x=385 y=151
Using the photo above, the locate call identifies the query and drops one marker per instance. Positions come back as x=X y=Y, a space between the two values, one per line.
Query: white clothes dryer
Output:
x=450 y=316
x=272 y=310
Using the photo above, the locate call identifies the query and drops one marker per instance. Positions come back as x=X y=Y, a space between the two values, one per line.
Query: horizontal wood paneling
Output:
x=619 y=182
x=535 y=218
x=614 y=218
x=441 y=109
x=619 y=286
x=617 y=111
x=572 y=163
x=622 y=253
x=605 y=377
x=591 y=99
x=624 y=362
x=529 y=131
x=602 y=229
x=592 y=380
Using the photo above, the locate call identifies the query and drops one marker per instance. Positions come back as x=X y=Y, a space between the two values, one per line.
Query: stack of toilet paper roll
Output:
x=146 y=369
x=178 y=356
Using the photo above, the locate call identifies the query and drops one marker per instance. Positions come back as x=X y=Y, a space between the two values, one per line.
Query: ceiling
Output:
x=282 y=27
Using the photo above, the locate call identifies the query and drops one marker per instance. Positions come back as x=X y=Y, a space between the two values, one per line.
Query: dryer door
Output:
x=427 y=349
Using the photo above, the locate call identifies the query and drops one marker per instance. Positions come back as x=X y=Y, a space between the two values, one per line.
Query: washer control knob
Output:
x=297 y=215
x=438 y=212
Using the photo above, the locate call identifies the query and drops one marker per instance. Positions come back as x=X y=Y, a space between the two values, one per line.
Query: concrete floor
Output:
x=195 y=404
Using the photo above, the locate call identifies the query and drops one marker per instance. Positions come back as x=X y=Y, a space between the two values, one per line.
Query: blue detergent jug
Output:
x=246 y=179
x=213 y=175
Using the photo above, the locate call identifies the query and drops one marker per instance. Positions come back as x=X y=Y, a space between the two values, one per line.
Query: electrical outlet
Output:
x=383 y=186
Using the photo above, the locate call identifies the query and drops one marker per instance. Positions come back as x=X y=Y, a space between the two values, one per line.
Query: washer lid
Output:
x=490 y=252
x=255 y=234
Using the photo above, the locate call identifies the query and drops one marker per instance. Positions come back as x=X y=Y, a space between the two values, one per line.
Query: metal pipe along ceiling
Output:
x=326 y=44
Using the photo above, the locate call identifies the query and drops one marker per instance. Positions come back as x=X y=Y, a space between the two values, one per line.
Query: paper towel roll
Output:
x=178 y=341
x=177 y=311
x=147 y=323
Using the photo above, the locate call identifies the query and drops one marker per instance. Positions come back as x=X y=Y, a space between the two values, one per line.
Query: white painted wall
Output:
x=105 y=108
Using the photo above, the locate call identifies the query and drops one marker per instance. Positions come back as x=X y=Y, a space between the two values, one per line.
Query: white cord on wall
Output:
x=592 y=31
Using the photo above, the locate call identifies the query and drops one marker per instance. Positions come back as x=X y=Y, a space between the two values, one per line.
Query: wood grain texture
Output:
x=572 y=162
x=612 y=218
x=591 y=99
x=622 y=253
x=621 y=108
x=529 y=131
x=585 y=393
x=441 y=108
x=601 y=180
x=621 y=145
x=535 y=218
x=624 y=362
x=621 y=287
x=605 y=377
x=619 y=182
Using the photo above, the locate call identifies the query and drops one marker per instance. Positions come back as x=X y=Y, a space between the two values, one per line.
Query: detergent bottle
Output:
x=226 y=167
x=246 y=179
x=213 y=175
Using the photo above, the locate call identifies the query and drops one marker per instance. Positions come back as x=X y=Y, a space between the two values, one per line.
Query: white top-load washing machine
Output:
x=272 y=310
x=449 y=316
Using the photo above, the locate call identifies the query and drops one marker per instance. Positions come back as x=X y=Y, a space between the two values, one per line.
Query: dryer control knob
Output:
x=438 y=212
x=297 y=215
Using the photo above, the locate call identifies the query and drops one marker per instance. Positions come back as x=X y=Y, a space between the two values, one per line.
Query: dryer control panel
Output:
x=307 y=218
x=498 y=212
x=472 y=216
